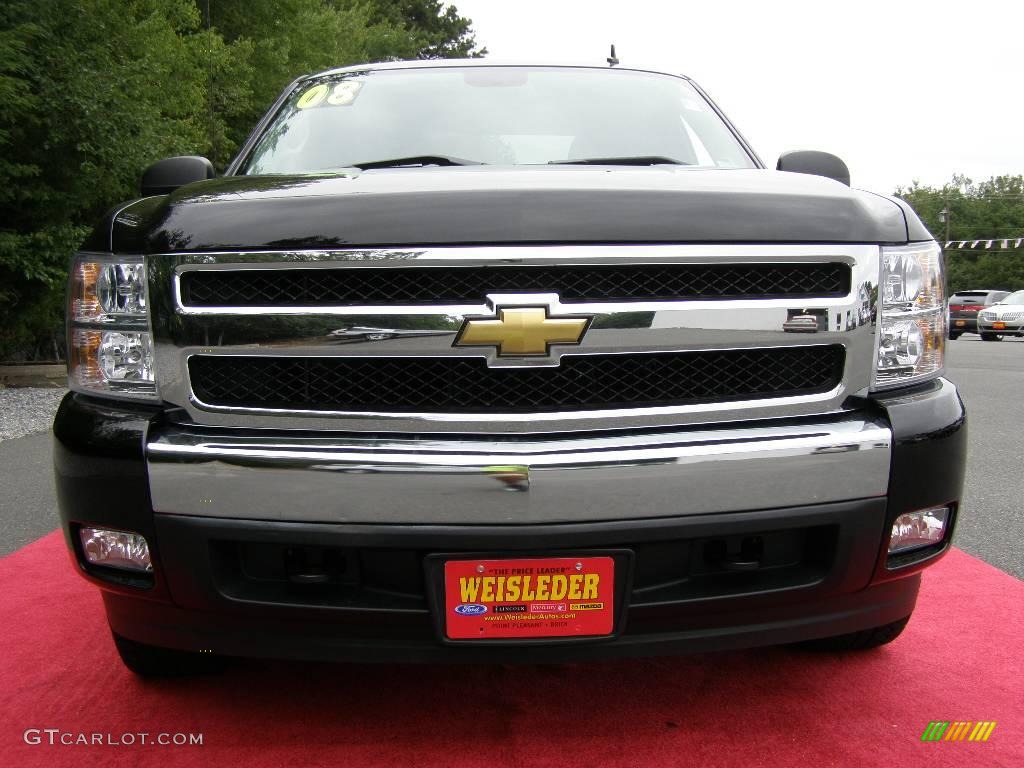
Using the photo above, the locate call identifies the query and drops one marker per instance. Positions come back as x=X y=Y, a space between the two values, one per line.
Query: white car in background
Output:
x=1003 y=319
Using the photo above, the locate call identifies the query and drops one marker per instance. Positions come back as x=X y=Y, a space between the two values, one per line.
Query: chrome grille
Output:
x=452 y=384
x=461 y=285
x=680 y=334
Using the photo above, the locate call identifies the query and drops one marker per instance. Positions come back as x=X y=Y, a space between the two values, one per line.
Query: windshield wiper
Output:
x=416 y=160
x=640 y=160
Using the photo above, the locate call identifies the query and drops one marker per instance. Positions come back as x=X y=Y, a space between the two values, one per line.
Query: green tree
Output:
x=95 y=90
x=437 y=31
x=988 y=210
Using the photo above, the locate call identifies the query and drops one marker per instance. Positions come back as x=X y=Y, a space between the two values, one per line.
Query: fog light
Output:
x=116 y=549
x=913 y=530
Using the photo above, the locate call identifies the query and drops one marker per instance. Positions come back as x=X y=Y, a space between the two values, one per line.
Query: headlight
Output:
x=106 y=292
x=110 y=344
x=912 y=315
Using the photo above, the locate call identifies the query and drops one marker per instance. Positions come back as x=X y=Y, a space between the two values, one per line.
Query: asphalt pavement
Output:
x=28 y=503
x=990 y=376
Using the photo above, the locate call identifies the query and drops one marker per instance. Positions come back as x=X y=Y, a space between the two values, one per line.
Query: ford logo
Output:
x=470 y=609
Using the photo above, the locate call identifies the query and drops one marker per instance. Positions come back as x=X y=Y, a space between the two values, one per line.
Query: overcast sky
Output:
x=901 y=90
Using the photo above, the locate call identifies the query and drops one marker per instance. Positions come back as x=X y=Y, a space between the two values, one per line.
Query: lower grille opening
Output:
x=728 y=566
x=319 y=575
x=466 y=385
x=671 y=570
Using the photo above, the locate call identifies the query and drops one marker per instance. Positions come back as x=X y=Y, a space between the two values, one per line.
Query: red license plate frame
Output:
x=564 y=597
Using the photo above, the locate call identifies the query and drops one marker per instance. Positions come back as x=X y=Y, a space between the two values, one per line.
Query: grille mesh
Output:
x=467 y=385
x=469 y=285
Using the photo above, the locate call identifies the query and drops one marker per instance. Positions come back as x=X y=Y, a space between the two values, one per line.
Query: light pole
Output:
x=944 y=218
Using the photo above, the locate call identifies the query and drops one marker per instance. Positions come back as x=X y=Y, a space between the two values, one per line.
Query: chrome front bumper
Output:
x=605 y=476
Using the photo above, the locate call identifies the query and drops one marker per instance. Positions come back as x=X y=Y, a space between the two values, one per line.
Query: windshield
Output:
x=494 y=115
x=1014 y=298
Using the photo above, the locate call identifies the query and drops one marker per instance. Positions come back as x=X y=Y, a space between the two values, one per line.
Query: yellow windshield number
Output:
x=339 y=95
x=313 y=97
x=344 y=93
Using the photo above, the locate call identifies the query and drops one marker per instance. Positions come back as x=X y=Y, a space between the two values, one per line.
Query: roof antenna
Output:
x=613 y=59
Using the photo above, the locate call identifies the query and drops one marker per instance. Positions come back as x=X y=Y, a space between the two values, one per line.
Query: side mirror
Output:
x=816 y=164
x=167 y=175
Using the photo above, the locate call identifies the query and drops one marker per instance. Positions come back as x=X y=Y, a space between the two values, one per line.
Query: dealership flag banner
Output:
x=1004 y=243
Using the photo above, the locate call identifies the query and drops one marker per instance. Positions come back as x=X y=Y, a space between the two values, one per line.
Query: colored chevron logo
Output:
x=944 y=730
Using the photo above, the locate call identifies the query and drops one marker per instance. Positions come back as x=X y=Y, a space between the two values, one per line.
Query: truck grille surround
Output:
x=458 y=384
x=372 y=340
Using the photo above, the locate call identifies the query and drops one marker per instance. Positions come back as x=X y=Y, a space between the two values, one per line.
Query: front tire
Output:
x=953 y=336
x=152 y=661
x=858 y=641
x=991 y=337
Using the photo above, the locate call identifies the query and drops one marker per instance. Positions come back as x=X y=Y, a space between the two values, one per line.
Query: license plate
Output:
x=961 y=323
x=999 y=326
x=529 y=598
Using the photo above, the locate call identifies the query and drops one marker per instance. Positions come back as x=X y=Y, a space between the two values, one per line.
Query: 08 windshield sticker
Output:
x=330 y=94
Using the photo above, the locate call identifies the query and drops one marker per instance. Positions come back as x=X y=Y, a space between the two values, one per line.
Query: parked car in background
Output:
x=1005 y=318
x=964 y=307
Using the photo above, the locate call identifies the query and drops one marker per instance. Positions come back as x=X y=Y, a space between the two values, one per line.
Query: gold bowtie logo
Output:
x=522 y=331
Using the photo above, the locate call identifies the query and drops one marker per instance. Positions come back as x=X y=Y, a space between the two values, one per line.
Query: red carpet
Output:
x=960 y=659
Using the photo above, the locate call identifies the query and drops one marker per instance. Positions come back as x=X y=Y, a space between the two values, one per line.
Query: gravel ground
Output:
x=24 y=411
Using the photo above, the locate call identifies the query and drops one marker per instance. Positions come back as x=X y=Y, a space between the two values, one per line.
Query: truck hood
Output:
x=490 y=205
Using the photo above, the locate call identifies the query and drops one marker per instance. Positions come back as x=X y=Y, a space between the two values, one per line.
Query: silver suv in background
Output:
x=1005 y=318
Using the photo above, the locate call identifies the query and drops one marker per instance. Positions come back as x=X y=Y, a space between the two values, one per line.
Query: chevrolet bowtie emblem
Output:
x=522 y=331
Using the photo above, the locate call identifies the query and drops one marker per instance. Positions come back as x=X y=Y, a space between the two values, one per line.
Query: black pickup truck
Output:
x=460 y=361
